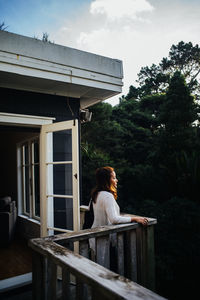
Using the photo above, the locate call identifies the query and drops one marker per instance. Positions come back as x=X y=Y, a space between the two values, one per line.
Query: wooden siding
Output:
x=23 y=102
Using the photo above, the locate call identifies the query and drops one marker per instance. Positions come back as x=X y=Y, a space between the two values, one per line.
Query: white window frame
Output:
x=21 y=164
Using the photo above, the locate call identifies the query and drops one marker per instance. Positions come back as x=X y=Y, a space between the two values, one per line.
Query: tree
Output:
x=183 y=57
x=177 y=114
x=186 y=58
x=165 y=184
x=135 y=157
x=153 y=140
x=177 y=139
x=100 y=143
x=151 y=105
x=45 y=37
x=3 y=27
x=152 y=80
x=132 y=94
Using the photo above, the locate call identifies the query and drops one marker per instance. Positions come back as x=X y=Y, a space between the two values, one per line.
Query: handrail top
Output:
x=84 y=208
x=96 y=232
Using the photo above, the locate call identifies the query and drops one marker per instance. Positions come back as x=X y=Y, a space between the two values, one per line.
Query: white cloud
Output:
x=120 y=34
x=119 y=9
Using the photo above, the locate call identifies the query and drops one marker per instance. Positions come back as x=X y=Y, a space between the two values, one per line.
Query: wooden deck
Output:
x=15 y=259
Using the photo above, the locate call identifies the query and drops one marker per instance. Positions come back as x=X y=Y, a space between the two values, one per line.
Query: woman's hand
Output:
x=140 y=220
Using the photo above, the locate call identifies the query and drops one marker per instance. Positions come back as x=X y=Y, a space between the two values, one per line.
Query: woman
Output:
x=104 y=196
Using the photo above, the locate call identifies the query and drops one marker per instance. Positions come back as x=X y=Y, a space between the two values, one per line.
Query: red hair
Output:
x=103 y=182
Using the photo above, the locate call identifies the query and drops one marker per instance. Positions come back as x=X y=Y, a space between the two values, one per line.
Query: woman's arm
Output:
x=114 y=217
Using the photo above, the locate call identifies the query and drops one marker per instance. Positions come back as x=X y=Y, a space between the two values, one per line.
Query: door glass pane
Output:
x=26 y=156
x=37 y=190
x=26 y=188
x=62 y=179
x=62 y=145
x=63 y=213
x=36 y=152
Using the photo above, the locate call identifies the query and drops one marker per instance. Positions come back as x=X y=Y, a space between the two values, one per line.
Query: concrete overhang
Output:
x=33 y=65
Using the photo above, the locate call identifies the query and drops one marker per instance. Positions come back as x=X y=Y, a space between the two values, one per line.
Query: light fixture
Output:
x=85 y=115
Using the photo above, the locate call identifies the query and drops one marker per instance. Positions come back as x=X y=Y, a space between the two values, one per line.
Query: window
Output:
x=28 y=172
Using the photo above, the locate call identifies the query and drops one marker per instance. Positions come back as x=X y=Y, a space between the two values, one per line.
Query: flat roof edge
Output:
x=34 y=48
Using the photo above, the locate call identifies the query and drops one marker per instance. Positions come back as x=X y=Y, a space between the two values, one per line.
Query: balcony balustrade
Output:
x=121 y=267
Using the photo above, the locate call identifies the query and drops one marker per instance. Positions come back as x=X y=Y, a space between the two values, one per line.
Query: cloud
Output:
x=111 y=28
x=132 y=31
x=119 y=9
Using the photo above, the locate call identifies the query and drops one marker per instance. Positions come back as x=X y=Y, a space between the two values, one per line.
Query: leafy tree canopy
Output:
x=152 y=139
x=183 y=57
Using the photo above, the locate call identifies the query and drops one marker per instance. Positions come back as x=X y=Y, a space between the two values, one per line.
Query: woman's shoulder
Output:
x=105 y=195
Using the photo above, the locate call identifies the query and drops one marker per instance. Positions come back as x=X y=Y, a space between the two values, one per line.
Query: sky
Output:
x=138 y=32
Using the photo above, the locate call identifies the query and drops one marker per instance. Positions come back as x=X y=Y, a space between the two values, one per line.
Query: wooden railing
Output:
x=128 y=249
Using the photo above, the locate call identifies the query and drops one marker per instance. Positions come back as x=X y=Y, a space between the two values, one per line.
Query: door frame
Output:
x=44 y=206
x=24 y=120
x=10 y=119
x=45 y=124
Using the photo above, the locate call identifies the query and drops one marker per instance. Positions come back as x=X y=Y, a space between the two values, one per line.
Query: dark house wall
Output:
x=23 y=102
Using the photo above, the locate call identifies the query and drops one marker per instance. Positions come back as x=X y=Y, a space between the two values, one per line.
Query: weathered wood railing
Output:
x=131 y=256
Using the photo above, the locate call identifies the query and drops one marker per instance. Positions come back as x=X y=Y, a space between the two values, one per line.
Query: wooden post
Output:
x=150 y=259
x=83 y=210
x=96 y=295
x=120 y=253
x=103 y=251
x=52 y=280
x=66 y=292
x=83 y=289
x=80 y=290
x=131 y=255
x=83 y=248
x=146 y=256
x=141 y=255
x=39 y=288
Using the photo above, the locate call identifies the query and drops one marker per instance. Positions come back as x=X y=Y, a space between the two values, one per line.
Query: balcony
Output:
x=121 y=267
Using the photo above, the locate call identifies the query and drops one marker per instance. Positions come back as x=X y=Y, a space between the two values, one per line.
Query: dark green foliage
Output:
x=177 y=248
x=185 y=176
x=152 y=139
x=133 y=93
x=179 y=110
x=92 y=158
x=152 y=104
x=98 y=138
x=152 y=80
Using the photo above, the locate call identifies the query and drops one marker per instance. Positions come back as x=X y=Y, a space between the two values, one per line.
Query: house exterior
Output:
x=43 y=89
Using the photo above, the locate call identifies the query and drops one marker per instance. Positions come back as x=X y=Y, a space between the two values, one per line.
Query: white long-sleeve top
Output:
x=106 y=211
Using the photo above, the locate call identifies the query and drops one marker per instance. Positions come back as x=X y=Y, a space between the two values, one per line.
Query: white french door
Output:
x=59 y=178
